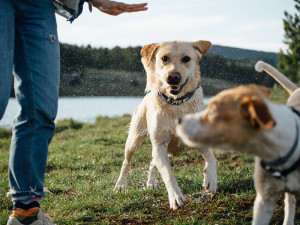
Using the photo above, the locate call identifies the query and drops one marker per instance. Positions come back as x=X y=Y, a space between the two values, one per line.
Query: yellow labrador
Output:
x=173 y=90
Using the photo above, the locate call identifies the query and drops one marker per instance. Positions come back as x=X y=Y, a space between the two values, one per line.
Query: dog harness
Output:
x=177 y=101
x=282 y=174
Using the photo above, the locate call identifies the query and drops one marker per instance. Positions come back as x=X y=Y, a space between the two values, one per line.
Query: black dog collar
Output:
x=177 y=101
x=281 y=174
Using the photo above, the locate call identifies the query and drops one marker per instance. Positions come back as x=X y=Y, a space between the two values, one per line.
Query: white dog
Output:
x=173 y=90
x=245 y=120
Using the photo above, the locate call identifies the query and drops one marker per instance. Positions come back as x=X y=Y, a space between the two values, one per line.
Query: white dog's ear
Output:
x=202 y=46
x=256 y=112
x=147 y=52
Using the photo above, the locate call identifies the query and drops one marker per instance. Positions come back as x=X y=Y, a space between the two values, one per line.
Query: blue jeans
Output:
x=29 y=51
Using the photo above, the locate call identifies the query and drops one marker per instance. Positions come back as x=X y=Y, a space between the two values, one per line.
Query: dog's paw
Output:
x=152 y=184
x=210 y=181
x=120 y=186
x=176 y=200
x=152 y=181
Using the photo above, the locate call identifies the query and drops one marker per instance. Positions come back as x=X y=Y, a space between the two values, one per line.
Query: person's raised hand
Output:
x=116 y=8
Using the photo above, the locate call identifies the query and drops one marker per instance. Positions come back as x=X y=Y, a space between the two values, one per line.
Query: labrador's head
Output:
x=173 y=66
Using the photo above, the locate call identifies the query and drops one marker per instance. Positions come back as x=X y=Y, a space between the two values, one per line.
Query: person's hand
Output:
x=116 y=8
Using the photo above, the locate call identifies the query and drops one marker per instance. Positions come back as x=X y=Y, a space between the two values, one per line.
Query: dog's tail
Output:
x=282 y=79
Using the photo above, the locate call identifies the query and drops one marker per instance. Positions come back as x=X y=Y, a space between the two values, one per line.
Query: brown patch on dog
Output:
x=255 y=111
x=202 y=46
x=147 y=52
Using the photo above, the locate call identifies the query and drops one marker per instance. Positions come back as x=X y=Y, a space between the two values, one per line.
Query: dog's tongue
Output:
x=174 y=87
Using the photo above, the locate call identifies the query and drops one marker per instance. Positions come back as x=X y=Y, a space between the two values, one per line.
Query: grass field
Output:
x=84 y=163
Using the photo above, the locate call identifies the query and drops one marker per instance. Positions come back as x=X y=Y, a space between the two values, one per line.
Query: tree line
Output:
x=81 y=59
x=289 y=60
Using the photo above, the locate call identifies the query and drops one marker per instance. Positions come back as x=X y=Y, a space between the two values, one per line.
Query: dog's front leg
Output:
x=210 y=171
x=132 y=145
x=263 y=209
x=161 y=160
x=137 y=134
x=289 y=209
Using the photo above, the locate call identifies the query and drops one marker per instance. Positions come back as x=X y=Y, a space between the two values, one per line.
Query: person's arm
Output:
x=116 y=8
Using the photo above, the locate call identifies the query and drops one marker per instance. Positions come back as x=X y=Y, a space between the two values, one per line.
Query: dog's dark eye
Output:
x=185 y=59
x=165 y=58
x=212 y=111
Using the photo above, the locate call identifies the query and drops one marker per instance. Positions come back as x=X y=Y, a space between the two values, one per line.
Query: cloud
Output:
x=140 y=31
x=255 y=26
x=172 y=22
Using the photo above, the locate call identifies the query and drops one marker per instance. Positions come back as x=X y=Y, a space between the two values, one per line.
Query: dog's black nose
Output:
x=179 y=120
x=174 y=78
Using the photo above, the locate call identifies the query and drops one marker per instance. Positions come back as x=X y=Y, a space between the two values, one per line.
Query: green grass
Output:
x=278 y=94
x=84 y=163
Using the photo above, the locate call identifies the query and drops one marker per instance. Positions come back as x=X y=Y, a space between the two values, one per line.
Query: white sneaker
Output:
x=43 y=219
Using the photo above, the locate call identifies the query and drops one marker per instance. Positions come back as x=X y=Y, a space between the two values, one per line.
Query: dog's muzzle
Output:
x=173 y=80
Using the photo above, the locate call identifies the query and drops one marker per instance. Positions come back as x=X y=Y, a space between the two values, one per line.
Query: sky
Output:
x=248 y=24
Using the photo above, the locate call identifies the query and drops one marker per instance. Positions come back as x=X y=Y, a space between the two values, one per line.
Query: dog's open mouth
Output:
x=176 y=89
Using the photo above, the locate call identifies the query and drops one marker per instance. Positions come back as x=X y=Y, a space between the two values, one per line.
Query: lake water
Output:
x=83 y=109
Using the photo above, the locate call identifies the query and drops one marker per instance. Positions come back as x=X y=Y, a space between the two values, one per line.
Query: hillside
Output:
x=243 y=54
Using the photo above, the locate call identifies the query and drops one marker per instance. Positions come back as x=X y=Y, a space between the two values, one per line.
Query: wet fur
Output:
x=155 y=118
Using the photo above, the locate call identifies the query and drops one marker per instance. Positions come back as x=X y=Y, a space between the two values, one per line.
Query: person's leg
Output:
x=7 y=30
x=36 y=72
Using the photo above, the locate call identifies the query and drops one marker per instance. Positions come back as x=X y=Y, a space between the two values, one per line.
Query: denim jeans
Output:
x=29 y=52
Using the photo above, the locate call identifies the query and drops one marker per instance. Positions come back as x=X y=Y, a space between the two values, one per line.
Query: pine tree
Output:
x=289 y=62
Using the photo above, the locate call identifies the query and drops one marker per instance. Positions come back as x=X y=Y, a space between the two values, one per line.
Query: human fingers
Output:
x=135 y=10
x=133 y=7
x=137 y=5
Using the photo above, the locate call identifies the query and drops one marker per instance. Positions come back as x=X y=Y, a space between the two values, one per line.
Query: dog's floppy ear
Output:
x=147 y=52
x=202 y=46
x=256 y=112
